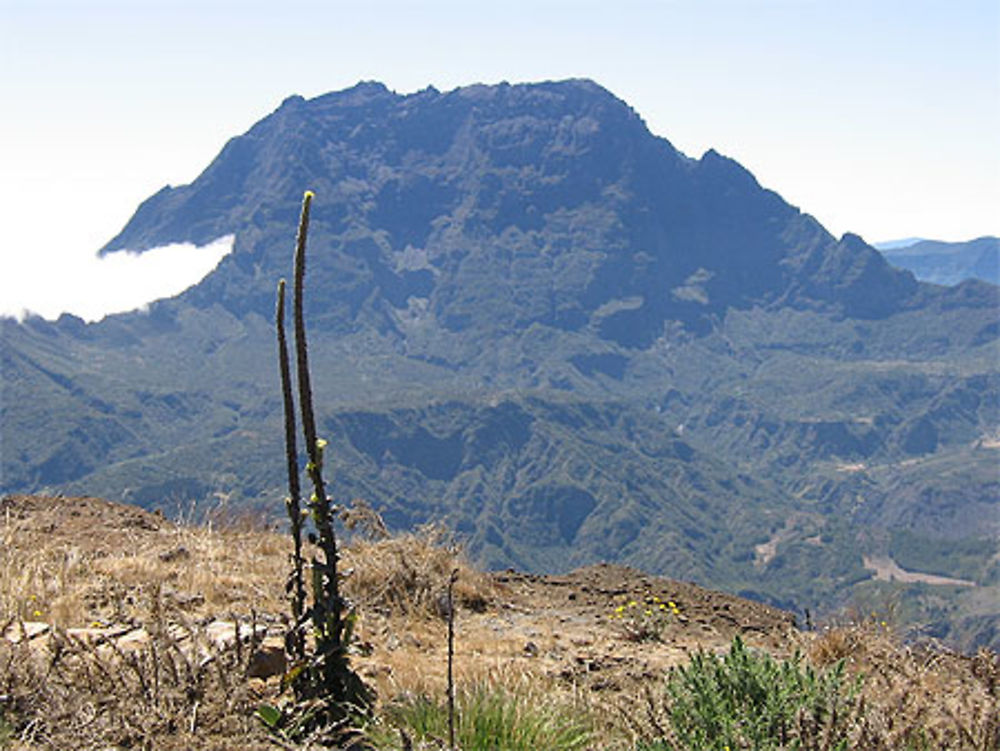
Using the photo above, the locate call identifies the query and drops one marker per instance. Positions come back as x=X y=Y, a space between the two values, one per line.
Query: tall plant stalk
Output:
x=451 y=658
x=328 y=607
x=295 y=587
x=327 y=691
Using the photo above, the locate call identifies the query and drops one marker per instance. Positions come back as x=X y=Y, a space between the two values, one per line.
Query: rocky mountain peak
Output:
x=551 y=200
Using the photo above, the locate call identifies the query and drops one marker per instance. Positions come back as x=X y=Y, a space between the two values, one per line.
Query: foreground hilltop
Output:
x=537 y=322
x=102 y=575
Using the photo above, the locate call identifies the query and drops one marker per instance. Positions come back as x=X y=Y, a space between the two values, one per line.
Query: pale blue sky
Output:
x=879 y=117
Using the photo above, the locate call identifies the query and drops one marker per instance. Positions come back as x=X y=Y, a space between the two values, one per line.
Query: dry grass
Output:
x=108 y=576
x=109 y=565
x=173 y=692
x=113 y=567
x=408 y=575
x=917 y=696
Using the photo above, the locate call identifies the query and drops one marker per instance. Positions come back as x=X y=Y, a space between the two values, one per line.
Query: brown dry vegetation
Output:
x=87 y=563
x=918 y=696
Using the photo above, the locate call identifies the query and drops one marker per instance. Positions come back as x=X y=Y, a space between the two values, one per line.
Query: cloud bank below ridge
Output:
x=92 y=287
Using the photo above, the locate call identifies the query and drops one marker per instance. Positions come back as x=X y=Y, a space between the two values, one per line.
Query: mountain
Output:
x=948 y=263
x=902 y=242
x=537 y=322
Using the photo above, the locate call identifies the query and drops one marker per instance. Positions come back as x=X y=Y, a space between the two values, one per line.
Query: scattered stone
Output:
x=223 y=633
x=133 y=641
x=25 y=631
x=180 y=553
x=183 y=600
x=96 y=635
x=269 y=659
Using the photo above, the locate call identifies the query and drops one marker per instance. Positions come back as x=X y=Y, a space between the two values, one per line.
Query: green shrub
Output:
x=748 y=700
x=495 y=719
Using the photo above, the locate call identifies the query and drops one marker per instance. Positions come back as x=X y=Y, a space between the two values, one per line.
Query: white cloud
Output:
x=92 y=287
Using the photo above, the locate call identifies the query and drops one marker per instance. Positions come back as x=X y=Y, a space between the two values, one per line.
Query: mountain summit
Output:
x=505 y=206
x=541 y=324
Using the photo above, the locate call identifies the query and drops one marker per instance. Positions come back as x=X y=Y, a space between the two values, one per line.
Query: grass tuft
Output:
x=492 y=718
x=408 y=575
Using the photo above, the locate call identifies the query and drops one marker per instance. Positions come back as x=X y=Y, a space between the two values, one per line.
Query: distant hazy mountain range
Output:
x=537 y=322
x=946 y=263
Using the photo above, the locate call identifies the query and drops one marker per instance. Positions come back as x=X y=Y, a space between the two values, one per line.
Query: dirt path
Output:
x=888 y=570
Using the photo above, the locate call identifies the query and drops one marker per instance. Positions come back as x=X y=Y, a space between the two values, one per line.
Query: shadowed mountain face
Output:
x=494 y=208
x=535 y=320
